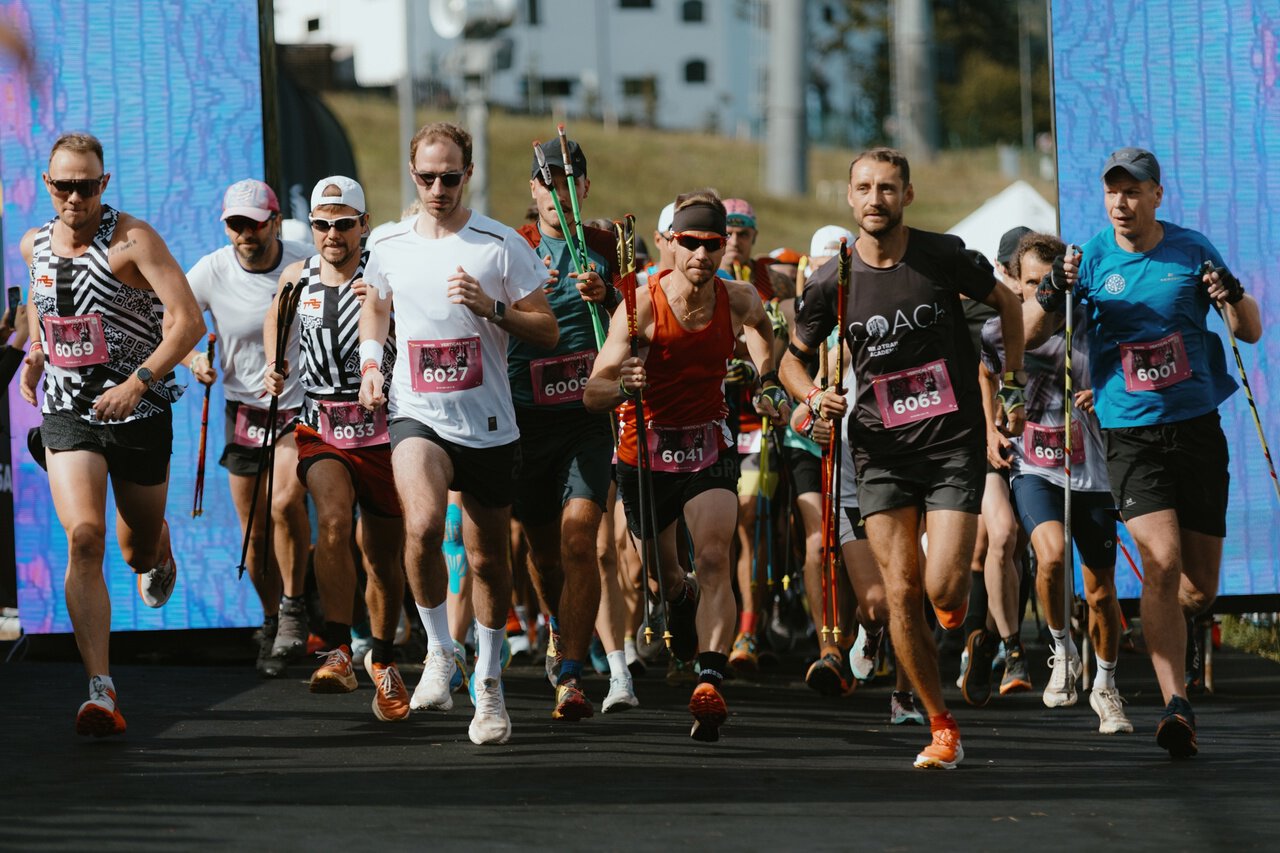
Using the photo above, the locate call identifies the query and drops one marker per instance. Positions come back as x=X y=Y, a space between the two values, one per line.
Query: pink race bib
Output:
x=683 y=450
x=1045 y=447
x=350 y=425
x=451 y=365
x=914 y=395
x=1155 y=365
x=561 y=379
x=75 y=341
x=251 y=424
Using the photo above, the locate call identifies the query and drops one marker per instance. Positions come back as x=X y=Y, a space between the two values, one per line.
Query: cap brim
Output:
x=1138 y=174
x=252 y=212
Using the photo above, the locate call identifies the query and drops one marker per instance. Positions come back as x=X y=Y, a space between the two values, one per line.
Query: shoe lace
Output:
x=98 y=691
x=871 y=647
x=1058 y=680
x=947 y=737
x=1112 y=702
x=489 y=698
x=334 y=657
x=389 y=682
x=438 y=664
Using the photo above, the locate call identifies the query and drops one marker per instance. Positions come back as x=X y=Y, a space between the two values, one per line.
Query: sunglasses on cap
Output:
x=449 y=179
x=693 y=244
x=240 y=224
x=83 y=187
x=342 y=223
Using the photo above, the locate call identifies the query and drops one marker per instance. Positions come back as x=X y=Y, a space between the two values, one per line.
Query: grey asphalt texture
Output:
x=216 y=758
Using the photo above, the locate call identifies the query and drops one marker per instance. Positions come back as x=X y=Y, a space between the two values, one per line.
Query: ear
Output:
x=533 y=188
x=585 y=185
x=106 y=179
x=1159 y=194
x=909 y=196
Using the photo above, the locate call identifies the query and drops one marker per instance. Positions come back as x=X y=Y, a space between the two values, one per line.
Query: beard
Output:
x=892 y=221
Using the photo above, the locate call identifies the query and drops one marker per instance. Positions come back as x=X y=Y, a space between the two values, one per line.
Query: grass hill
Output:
x=639 y=170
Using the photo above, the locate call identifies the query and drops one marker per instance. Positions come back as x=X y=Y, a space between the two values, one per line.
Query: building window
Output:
x=635 y=4
x=692 y=11
x=695 y=71
x=313 y=25
x=553 y=87
x=531 y=12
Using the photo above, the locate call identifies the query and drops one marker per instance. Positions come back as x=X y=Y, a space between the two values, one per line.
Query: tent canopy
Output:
x=1017 y=204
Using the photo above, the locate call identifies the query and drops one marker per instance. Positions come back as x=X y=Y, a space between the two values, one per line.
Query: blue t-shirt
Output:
x=1144 y=298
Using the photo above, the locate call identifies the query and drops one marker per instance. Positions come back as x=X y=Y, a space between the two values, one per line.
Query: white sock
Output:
x=629 y=649
x=618 y=664
x=489 y=651
x=1105 y=677
x=1062 y=642
x=436 y=621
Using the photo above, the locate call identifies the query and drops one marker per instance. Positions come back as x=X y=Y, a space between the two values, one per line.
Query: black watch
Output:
x=499 y=312
x=145 y=374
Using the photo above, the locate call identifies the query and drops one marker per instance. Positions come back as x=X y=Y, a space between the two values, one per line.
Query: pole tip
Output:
x=560 y=129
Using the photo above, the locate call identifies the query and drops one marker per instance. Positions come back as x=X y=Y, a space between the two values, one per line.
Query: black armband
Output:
x=808 y=359
x=770 y=378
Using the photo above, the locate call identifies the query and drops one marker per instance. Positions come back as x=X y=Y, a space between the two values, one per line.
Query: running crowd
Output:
x=458 y=399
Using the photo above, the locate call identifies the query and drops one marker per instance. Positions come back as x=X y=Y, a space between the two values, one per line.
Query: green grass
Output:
x=1251 y=638
x=638 y=170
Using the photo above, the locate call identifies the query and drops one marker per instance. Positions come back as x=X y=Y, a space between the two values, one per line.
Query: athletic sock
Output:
x=1062 y=642
x=336 y=634
x=711 y=667
x=1105 y=677
x=747 y=622
x=942 y=721
x=618 y=664
x=384 y=651
x=436 y=621
x=1011 y=643
x=569 y=669
x=629 y=648
x=489 y=651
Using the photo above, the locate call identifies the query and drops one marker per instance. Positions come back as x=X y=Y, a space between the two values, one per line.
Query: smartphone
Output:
x=14 y=300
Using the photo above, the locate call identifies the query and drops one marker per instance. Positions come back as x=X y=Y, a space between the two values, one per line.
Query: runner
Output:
x=687 y=319
x=1158 y=376
x=113 y=315
x=344 y=455
x=236 y=284
x=918 y=431
x=461 y=283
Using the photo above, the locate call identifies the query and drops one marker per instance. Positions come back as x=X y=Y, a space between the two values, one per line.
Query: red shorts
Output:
x=369 y=467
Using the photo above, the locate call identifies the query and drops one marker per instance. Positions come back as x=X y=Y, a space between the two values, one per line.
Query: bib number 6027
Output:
x=923 y=400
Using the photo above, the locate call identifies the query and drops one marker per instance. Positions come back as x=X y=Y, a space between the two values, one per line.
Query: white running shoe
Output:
x=866 y=648
x=156 y=586
x=1109 y=706
x=490 y=723
x=621 y=696
x=1061 y=691
x=432 y=692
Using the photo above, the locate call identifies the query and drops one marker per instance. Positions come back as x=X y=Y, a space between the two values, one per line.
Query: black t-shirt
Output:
x=900 y=319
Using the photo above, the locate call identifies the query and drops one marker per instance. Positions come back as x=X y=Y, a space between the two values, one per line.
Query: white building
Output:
x=677 y=64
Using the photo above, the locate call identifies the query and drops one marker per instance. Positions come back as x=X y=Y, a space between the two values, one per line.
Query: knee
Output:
x=1194 y=600
x=86 y=543
x=1101 y=597
x=334 y=530
x=875 y=607
x=713 y=559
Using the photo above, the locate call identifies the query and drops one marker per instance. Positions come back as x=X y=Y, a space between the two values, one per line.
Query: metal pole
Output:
x=1024 y=75
x=915 y=106
x=477 y=122
x=272 y=172
x=408 y=117
x=784 y=119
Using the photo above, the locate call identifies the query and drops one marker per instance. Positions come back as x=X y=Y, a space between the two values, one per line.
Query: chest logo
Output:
x=1114 y=284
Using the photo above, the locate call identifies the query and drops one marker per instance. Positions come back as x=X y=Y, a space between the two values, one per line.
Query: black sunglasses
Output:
x=342 y=223
x=240 y=224
x=84 y=187
x=449 y=179
x=693 y=244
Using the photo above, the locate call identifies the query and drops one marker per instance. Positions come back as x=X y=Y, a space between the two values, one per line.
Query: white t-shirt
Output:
x=238 y=301
x=414 y=271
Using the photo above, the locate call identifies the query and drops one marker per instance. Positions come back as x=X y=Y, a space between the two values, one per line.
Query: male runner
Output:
x=236 y=285
x=461 y=284
x=918 y=434
x=688 y=320
x=113 y=315
x=1159 y=376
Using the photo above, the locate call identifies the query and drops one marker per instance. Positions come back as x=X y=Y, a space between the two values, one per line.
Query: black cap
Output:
x=551 y=150
x=1139 y=163
x=1009 y=244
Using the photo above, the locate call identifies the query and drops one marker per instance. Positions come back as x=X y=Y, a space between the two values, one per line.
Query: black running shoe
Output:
x=684 y=622
x=976 y=684
x=1177 y=729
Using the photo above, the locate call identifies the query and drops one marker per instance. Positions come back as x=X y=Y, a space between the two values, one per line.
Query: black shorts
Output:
x=1093 y=517
x=240 y=459
x=1180 y=466
x=136 y=452
x=487 y=474
x=806 y=470
x=954 y=481
x=564 y=454
x=672 y=491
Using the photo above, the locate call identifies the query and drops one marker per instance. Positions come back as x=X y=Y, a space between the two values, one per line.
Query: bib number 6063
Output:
x=923 y=400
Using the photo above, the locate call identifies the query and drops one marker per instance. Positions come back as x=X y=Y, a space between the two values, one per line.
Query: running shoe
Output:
x=390 y=696
x=865 y=652
x=744 y=658
x=156 y=586
x=432 y=692
x=964 y=665
x=268 y=666
x=709 y=712
x=684 y=625
x=902 y=709
x=554 y=657
x=571 y=703
x=1061 y=691
x=1109 y=706
x=635 y=664
x=945 y=751
x=291 y=637
x=975 y=686
x=335 y=673
x=1017 y=675
x=599 y=657
x=459 y=667
x=830 y=675
x=490 y=723
x=100 y=716
x=621 y=696
x=504 y=657
x=1177 y=729
x=681 y=673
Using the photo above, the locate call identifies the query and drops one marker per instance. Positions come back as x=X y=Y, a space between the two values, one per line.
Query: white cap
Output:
x=826 y=241
x=666 y=217
x=350 y=193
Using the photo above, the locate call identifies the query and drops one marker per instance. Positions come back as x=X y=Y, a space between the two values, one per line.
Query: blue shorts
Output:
x=1093 y=517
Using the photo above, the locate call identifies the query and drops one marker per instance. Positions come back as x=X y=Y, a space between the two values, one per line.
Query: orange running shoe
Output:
x=100 y=716
x=335 y=674
x=571 y=703
x=951 y=619
x=390 y=696
x=745 y=655
x=709 y=713
x=945 y=751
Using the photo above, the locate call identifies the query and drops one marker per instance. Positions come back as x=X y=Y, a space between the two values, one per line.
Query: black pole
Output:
x=272 y=169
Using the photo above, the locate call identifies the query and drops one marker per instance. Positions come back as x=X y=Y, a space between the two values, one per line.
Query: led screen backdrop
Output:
x=1195 y=81
x=173 y=91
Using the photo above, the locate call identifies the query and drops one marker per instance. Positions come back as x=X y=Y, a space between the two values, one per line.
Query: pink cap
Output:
x=739 y=213
x=250 y=198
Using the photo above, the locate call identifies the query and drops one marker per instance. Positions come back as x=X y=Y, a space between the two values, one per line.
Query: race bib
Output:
x=1045 y=447
x=75 y=341
x=1156 y=365
x=683 y=450
x=914 y=395
x=561 y=379
x=452 y=365
x=350 y=425
x=251 y=424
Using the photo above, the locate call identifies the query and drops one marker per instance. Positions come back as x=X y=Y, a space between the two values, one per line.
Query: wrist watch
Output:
x=144 y=374
x=499 y=312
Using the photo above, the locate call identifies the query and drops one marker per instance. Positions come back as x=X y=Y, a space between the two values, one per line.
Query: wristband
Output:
x=814 y=400
x=807 y=425
x=369 y=365
x=36 y=345
x=770 y=378
x=370 y=351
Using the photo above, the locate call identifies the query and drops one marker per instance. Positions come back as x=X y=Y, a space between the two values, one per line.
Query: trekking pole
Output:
x=793 y=512
x=197 y=500
x=1068 y=554
x=1206 y=268
x=827 y=510
x=844 y=260
x=766 y=427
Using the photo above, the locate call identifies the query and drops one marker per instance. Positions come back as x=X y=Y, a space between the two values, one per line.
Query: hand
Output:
x=553 y=274
x=32 y=369
x=740 y=372
x=999 y=450
x=202 y=370
x=590 y=285
x=1223 y=287
x=822 y=431
x=1013 y=398
x=273 y=379
x=1062 y=276
x=360 y=289
x=773 y=403
x=1084 y=400
x=631 y=377
x=371 y=396
x=118 y=403
x=828 y=402
x=465 y=290
x=7 y=326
